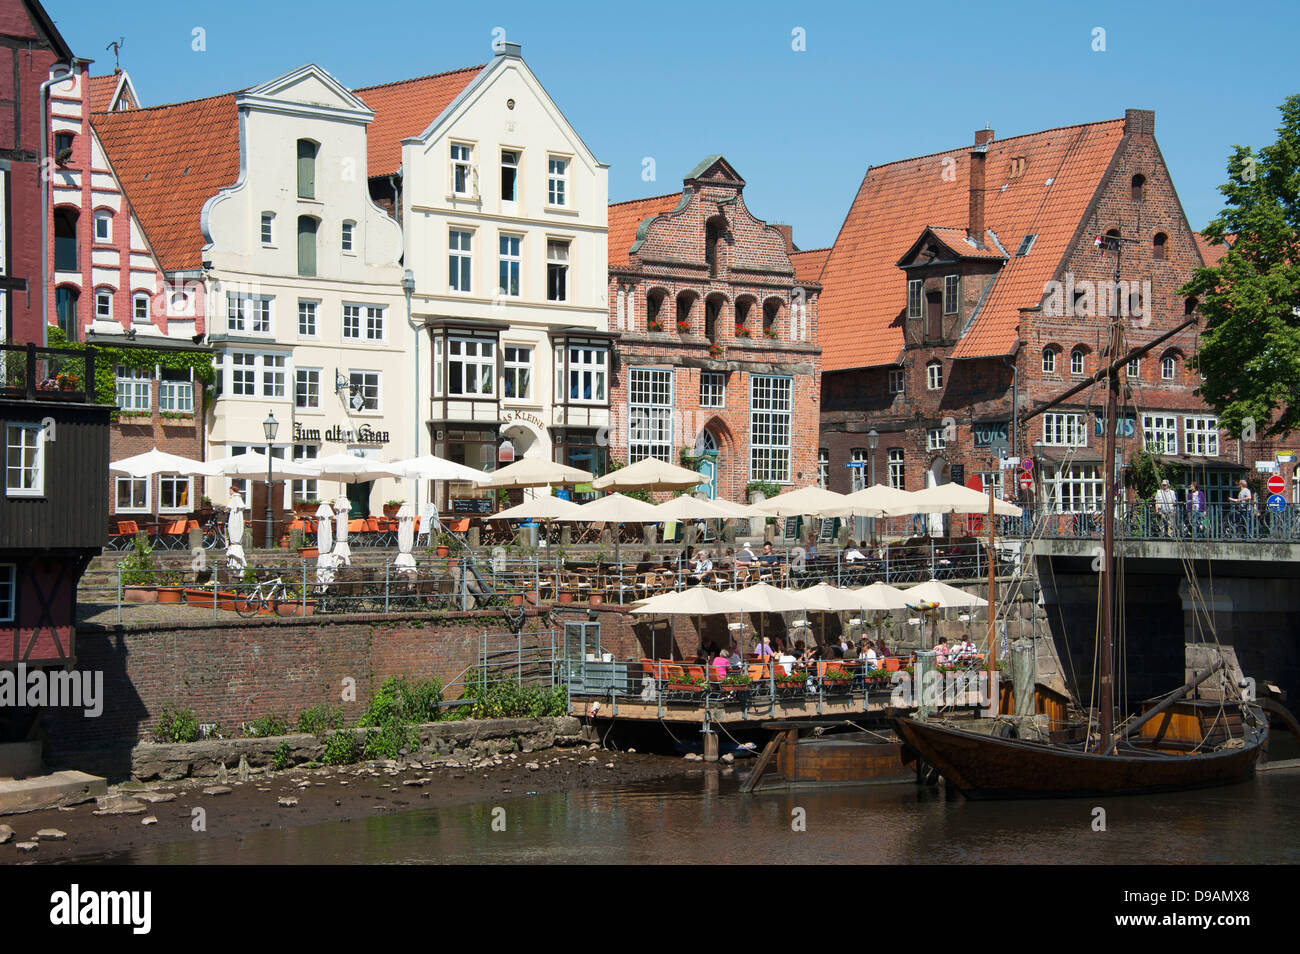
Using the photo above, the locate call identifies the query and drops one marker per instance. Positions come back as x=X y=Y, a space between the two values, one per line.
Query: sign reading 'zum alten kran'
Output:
x=338 y=434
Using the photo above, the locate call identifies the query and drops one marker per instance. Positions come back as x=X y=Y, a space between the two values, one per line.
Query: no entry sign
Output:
x=1276 y=485
x=1026 y=481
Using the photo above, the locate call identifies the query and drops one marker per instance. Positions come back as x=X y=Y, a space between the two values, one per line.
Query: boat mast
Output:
x=993 y=688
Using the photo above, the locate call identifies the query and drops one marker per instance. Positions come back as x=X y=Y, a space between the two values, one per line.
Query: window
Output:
x=1049 y=361
x=141 y=307
x=133 y=387
x=518 y=382
x=273 y=368
x=1160 y=433
x=8 y=591
x=1064 y=430
x=858 y=475
x=557 y=181
x=437 y=366
x=914 y=299
x=131 y=495
x=306 y=388
x=823 y=467
x=366 y=383
x=65 y=303
x=951 y=284
x=304 y=489
x=508 y=280
x=374 y=322
x=934 y=376
x=1134 y=369
x=459 y=260
x=712 y=389
x=103 y=303
x=650 y=414
x=24 y=460
x=509 y=175
x=587 y=367
x=1168 y=367
x=176 y=391
x=934 y=440
x=1159 y=245
x=103 y=226
x=66 y=258
x=471 y=367
x=307 y=169
x=462 y=178
x=1077 y=361
x=1025 y=245
x=1201 y=436
x=268 y=228
x=897 y=380
x=557 y=271
x=243 y=374
x=345 y=240
x=770 y=428
x=1078 y=488
x=307 y=226
x=307 y=319
x=1137 y=187
x=896 y=468
x=63 y=146
x=248 y=314
x=173 y=493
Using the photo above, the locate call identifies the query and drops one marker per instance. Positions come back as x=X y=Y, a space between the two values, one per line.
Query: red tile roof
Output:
x=1212 y=253
x=100 y=89
x=865 y=291
x=956 y=240
x=624 y=217
x=405 y=109
x=808 y=263
x=169 y=161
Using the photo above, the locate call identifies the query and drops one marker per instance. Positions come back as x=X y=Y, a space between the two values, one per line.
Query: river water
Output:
x=703 y=818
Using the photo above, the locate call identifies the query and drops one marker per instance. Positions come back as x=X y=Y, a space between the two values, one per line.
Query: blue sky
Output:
x=677 y=81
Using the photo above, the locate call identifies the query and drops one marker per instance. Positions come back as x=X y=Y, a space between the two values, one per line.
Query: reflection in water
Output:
x=706 y=820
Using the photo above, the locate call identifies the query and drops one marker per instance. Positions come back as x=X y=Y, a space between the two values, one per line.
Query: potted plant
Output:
x=654 y=324
x=172 y=591
x=391 y=507
x=736 y=685
x=683 y=327
x=715 y=350
x=836 y=679
x=769 y=332
x=205 y=505
x=790 y=684
x=444 y=544
x=303 y=507
x=742 y=331
x=67 y=382
x=139 y=572
x=686 y=685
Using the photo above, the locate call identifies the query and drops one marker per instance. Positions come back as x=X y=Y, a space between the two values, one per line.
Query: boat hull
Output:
x=986 y=767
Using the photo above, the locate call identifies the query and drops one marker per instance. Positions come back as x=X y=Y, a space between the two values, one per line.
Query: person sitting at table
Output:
x=769 y=558
x=941 y=651
x=868 y=655
x=702 y=569
x=811 y=551
x=787 y=661
x=966 y=649
x=746 y=556
x=648 y=563
x=852 y=554
x=737 y=660
x=721 y=663
x=728 y=560
x=801 y=651
x=882 y=651
x=764 y=647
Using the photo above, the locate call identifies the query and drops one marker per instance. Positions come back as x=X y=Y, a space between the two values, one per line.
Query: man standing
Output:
x=1166 y=500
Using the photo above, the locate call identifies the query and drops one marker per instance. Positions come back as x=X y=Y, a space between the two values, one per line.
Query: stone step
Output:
x=55 y=790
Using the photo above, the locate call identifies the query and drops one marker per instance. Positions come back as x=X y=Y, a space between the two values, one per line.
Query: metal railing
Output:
x=1145 y=520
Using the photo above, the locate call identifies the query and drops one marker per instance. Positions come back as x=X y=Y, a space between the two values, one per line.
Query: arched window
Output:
x=743 y=308
x=685 y=305
x=713 y=231
x=1168 y=367
x=1078 y=361
x=307 y=151
x=654 y=309
x=1189 y=306
x=1049 y=359
x=307 y=245
x=1137 y=188
x=1158 y=242
x=65 y=301
x=771 y=312
x=712 y=312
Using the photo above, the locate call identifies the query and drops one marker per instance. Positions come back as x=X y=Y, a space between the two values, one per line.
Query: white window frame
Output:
x=559 y=263
x=897 y=468
x=897 y=380
x=512 y=365
x=275 y=375
x=951 y=294
x=176 y=395
x=1200 y=436
x=1160 y=433
x=1078 y=488
x=133 y=483
x=22 y=437
x=357 y=377
x=518 y=154
x=133 y=388
x=244 y=368
x=557 y=182
x=1168 y=368
x=858 y=475
x=1049 y=360
x=1134 y=368
x=462 y=178
x=1078 y=361
x=713 y=389
x=250 y=314
x=510 y=261
x=650 y=414
x=823 y=467
x=104 y=303
x=1064 y=429
x=588 y=367
x=104 y=218
x=305 y=386
x=770 y=459
x=266 y=233
x=934 y=376
x=136 y=300
x=175 y=480
x=309 y=309
x=934 y=439
x=915 y=298
x=460 y=260
x=478 y=370
x=347 y=237
x=303 y=489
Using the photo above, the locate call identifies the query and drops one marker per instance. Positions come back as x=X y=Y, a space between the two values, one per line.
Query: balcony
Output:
x=29 y=372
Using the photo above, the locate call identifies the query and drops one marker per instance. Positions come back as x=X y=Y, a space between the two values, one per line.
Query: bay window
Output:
x=650 y=414
x=471 y=367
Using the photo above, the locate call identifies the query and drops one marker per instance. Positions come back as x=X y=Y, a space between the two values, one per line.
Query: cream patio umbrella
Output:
x=342 y=552
x=954 y=499
x=825 y=598
x=545 y=508
x=695 y=601
x=764 y=598
x=691 y=508
x=615 y=509
x=880 y=500
x=253 y=464
x=536 y=472
x=649 y=473
x=881 y=598
x=804 y=502
x=430 y=467
x=939 y=595
x=156 y=462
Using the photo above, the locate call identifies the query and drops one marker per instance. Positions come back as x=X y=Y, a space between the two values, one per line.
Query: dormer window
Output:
x=914 y=299
x=951 y=284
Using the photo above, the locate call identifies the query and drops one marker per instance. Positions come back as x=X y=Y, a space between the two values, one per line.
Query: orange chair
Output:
x=892 y=664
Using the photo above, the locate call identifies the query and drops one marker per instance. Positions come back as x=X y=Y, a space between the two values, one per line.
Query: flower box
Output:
x=308 y=553
x=171 y=594
x=226 y=600
x=140 y=594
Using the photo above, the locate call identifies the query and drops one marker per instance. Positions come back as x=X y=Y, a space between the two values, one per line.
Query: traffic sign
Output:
x=1027 y=464
x=856 y=465
x=1276 y=484
x=1277 y=503
x=1026 y=481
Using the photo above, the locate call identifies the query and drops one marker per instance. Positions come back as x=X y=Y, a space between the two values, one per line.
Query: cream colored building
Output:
x=304 y=289
x=504 y=211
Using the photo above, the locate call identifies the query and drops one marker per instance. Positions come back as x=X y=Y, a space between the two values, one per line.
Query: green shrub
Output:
x=268 y=725
x=176 y=725
x=341 y=749
x=281 y=759
x=319 y=719
x=139 y=568
x=506 y=699
x=400 y=700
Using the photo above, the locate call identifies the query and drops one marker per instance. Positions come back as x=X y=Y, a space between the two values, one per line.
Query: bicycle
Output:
x=214 y=534
x=269 y=594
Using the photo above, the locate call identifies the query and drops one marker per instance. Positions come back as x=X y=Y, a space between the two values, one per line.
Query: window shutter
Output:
x=306 y=245
x=306 y=169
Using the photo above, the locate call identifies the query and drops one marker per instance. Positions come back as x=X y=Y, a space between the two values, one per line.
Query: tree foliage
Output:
x=1249 y=352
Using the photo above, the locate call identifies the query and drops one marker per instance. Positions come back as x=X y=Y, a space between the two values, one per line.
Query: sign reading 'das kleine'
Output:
x=338 y=434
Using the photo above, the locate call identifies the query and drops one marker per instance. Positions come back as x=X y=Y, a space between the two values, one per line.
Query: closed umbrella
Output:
x=342 y=552
x=235 y=559
x=649 y=473
x=537 y=472
x=405 y=563
x=324 y=542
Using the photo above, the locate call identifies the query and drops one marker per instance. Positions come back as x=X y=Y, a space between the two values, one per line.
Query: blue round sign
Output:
x=1276 y=503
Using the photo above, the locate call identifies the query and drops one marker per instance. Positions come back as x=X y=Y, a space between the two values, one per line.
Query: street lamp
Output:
x=269 y=427
x=873 y=441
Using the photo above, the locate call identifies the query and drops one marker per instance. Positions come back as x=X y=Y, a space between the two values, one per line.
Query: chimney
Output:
x=975 y=219
x=983 y=137
x=1139 y=122
x=787 y=233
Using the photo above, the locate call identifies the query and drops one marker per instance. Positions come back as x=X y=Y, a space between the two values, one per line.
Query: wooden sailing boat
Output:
x=1170 y=747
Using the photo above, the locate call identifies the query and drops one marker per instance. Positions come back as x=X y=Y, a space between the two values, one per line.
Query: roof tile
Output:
x=624 y=217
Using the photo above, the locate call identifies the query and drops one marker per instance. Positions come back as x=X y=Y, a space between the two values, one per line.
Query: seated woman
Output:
x=721 y=663
x=941 y=651
x=702 y=569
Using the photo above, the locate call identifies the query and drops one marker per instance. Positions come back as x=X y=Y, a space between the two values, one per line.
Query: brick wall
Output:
x=183 y=436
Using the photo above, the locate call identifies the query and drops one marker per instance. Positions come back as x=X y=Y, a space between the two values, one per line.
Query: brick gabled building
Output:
x=718 y=361
x=967 y=280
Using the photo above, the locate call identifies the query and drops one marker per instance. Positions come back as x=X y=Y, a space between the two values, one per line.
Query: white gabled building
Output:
x=304 y=287
x=504 y=211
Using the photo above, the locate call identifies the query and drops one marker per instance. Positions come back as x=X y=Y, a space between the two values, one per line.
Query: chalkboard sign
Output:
x=959 y=474
x=482 y=506
x=791 y=527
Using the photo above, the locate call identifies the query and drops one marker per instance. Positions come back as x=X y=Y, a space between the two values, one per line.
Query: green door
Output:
x=359 y=500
